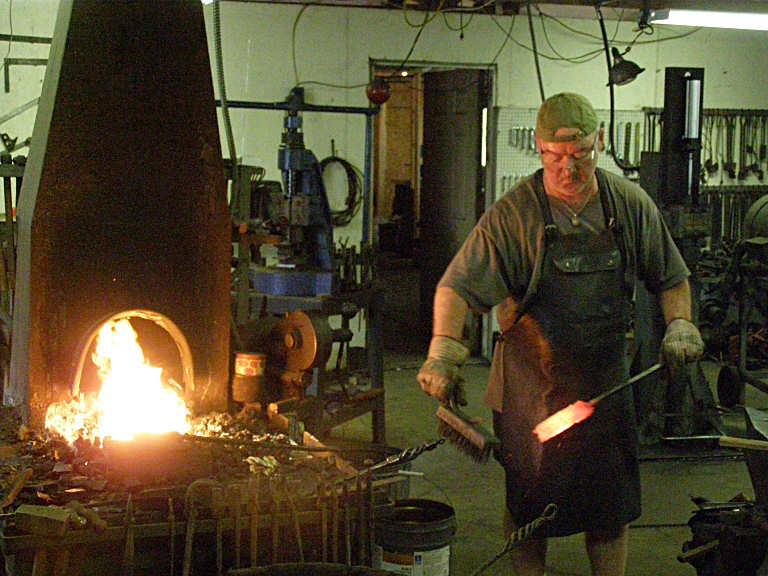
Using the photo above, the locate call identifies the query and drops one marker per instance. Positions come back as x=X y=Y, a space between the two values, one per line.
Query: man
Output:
x=559 y=254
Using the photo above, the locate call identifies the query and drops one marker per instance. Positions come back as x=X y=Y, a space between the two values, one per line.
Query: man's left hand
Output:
x=682 y=343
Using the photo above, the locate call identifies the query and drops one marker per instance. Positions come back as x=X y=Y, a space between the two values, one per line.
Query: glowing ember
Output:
x=133 y=398
x=563 y=419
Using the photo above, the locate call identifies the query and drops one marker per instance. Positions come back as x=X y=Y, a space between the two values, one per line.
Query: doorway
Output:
x=429 y=190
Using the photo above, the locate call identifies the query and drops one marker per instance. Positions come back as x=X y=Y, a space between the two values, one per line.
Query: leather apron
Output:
x=570 y=345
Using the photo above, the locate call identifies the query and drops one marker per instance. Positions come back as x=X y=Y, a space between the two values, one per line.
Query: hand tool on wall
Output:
x=743 y=141
x=648 y=134
x=627 y=141
x=730 y=142
x=711 y=134
x=636 y=153
x=579 y=411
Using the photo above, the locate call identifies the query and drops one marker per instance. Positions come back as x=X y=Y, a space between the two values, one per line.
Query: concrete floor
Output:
x=671 y=476
x=475 y=491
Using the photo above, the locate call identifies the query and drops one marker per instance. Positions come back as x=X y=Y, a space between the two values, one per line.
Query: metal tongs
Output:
x=405 y=456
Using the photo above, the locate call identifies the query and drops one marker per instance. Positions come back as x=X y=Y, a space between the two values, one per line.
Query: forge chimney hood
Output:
x=123 y=204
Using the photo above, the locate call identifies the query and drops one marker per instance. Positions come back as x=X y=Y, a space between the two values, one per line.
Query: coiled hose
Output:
x=354 y=195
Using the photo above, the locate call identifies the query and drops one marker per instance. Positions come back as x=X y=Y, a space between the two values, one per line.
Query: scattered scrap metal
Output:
x=261 y=497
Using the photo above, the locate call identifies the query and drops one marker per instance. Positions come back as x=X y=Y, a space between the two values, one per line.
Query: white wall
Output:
x=27 y=18
x=335 y=45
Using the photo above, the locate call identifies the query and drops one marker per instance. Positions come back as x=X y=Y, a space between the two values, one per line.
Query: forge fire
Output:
x=134 y=397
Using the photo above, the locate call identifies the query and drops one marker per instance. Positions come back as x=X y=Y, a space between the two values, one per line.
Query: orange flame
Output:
x=133 y=398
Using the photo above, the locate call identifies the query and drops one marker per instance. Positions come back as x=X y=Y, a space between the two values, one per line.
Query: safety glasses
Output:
x=579 y=157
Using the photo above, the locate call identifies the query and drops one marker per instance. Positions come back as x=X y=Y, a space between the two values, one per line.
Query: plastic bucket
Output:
x=415 y=540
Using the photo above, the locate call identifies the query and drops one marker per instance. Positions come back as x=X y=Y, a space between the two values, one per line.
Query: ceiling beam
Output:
x=518 y=6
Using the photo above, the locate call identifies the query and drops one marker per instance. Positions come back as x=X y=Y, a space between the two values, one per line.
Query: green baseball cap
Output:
x=565 y=110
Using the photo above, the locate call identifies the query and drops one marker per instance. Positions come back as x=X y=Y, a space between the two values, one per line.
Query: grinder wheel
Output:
x=303 y=340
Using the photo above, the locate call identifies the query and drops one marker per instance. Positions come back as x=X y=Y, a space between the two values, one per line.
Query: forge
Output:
x=123 y=209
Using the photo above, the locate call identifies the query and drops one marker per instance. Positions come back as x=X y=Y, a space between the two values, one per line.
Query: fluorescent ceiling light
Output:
x=711 y=19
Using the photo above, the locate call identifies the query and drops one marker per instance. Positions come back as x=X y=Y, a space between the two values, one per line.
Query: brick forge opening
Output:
x=163 y=345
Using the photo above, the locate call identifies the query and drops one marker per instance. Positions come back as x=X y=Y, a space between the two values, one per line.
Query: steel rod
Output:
x=302 y=108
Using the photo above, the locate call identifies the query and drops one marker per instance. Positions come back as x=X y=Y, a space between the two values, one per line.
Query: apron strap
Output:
x=551 y=232
x=608 y=202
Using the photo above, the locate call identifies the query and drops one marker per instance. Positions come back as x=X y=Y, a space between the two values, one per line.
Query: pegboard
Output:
x=516 y=155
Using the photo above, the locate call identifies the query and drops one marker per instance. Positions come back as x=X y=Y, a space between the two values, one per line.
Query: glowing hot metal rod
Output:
x=580 y=410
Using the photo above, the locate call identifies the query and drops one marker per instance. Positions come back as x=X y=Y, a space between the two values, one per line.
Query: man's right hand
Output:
x=440 y=374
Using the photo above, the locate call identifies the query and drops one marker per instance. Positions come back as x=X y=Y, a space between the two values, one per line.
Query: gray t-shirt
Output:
x=497 y=259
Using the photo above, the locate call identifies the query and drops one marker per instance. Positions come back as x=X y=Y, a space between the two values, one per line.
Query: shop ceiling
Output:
x=517 y=6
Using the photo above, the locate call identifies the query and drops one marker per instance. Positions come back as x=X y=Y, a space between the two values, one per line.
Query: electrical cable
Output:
x=10 y=25
x=455 y=9
x=427 y=17
x=572 y=59
x=353 y=200
x=545 y=56
x=583 y=58
x=293 y=43
x=415 y=41
x=507 y=36
x=614 y=41
x=535 y=51
x=619 y=162
x=579 y=59
x=234 y=198
x=469 y=9
x=462 y=26
x=295 y=62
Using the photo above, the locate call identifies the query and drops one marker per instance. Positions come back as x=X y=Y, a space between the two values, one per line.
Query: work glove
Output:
x=440 y=376
x=682 y=343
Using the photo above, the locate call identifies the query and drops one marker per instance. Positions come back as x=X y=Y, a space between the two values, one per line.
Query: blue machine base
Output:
x=280 y=282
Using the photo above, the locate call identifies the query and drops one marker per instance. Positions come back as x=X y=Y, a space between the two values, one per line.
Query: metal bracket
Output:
x=8 y=62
